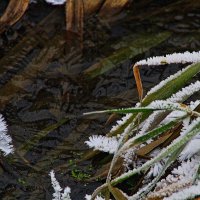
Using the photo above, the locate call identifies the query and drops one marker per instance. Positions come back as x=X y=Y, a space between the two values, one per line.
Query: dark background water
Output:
x=45 y=85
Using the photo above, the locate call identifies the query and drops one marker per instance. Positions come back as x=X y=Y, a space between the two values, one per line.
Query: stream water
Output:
x=46 y=85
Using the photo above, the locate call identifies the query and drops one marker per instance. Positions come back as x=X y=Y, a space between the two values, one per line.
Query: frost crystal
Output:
x=170 y=78
x=166 y=105
x=185 y=92
x=120 y=122
x=56 y=186
x=88 y=197
x=185 y=57
x=56 y=2
x=5 y=140
x=180 y=178
x=102 y=143
x=147 y=123
x=53 y=2
x=187 y=193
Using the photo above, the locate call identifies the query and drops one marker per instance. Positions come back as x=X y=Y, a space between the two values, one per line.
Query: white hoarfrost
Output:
x=185 y=92
x=103 y=143
x=58 y=195
x=187 y=193
x=120 y=122
x=56 y=2
x=53 y=2
x=180 y=178
x=89 y=197
x=167 y=105
x=147 y=123
x=185 y=57
x=5 y=139
x=170 y=78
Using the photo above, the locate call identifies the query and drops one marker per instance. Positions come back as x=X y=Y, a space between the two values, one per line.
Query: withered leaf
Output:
x=13 y=12
x=138 y=80
x=117 y=193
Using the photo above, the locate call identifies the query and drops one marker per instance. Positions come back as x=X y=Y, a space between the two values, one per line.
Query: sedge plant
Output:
x=161 y=127
x=157 y=114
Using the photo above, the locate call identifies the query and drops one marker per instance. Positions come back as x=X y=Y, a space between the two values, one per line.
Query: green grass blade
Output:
x=149 y=135
x=123 y=110
x=172 y=86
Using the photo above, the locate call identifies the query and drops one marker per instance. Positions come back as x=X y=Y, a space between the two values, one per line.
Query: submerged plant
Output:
x=161 y=128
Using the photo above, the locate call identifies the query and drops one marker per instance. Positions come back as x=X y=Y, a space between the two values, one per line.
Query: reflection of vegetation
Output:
x=161 y=131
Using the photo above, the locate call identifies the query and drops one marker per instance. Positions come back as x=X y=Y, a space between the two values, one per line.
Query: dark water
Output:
x=45 y=85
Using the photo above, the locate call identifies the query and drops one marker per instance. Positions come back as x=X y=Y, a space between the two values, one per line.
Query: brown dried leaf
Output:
x=148 y=148
x=112 y=118
x=138 y=80
x=13 y=12
x=74 y=19
x=117 y=193
x=91 y=7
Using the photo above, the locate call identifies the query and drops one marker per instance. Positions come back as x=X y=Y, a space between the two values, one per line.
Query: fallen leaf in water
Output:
x=14 y=11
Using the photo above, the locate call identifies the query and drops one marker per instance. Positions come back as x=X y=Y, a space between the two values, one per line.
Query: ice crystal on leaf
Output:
x=170 y=78
x=186 y=92
x=185 y=57
x=121 y=121
x=56 y=2
x=88 y=197
x=5 y=139
x=53 y=2
x=187 y=193
x=58 y=195
x=180 y=178
x=102 y=143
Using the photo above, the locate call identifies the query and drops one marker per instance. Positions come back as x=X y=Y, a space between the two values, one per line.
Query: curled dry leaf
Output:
x=138 y=80
x=13 y=12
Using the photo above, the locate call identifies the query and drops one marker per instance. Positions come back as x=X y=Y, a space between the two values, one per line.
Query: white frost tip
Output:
x=56 y=2
x=57 y=189
x=102 y=143
x=89 y=197
x=187 y=193
x=5 y=139
x=185 y=57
